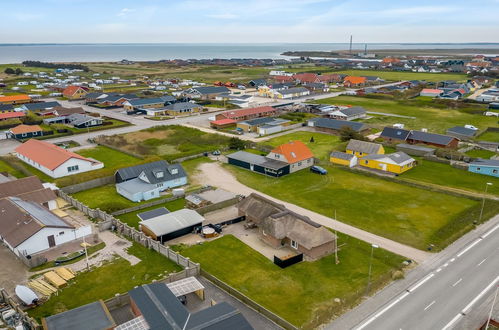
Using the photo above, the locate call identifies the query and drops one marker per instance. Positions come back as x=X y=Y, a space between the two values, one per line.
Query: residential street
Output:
x=455 y=280
x=214 y=174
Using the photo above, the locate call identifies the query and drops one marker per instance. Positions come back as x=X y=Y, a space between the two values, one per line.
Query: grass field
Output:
x=321 y=147
x=427 y=114
x=110 y=157
x=303 y=293
x=132 y=220
x=396 y=76
x=5 y=167
x=104 y=282
x=105 y=198
x=489 y=136
x=168 y=142
x=403 y=213
x=446 y=175
x=480 y=153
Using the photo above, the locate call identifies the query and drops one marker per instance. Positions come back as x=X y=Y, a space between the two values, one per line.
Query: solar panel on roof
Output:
x=153 y=213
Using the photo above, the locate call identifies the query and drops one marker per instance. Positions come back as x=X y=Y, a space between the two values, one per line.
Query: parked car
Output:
x=318 y=170
x=471 y=127
x=216 y=153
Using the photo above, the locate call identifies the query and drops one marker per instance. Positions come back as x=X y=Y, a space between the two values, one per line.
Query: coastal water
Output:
x=16 y=53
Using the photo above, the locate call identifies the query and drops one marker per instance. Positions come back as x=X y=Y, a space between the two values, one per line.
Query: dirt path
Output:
x=214 y=174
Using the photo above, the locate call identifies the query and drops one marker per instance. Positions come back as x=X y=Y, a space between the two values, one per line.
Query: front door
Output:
x=51 y=240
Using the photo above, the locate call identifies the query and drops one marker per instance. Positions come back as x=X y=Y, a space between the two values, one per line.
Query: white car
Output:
x=471 y=127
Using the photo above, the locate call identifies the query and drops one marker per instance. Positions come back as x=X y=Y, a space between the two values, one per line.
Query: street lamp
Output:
x=483 y=200
x=373 y=246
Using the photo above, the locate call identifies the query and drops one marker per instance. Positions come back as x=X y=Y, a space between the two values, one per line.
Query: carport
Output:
x=185 y=286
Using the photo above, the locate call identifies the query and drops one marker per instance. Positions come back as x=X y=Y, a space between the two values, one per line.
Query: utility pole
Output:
x=336 y=260
x=483 y=200
x=373 y=246
x=86 y=252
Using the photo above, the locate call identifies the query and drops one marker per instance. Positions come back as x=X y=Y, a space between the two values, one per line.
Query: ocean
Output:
x=16 y=53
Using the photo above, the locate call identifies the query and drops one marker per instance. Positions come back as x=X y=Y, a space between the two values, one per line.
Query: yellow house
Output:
x=362 y=148
x=396 y=163
x=342 y=158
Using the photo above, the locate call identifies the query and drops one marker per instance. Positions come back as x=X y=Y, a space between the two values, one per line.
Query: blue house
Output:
x=485 y=166
x=147 y=181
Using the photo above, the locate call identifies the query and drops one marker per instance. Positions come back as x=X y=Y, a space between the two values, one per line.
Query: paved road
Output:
x=442 y=298
x=214 y=174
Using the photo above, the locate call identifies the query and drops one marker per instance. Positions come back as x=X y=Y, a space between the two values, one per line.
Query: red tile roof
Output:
x=10 y=115
x=295 y=151
x=306 y=77
x=355 y=80
x=20 y=129
x=46 y=154
x=223 y=122
x=248 y=112
x=283 y=78
x=431 y=90
x=71 y=90
x=14 y=98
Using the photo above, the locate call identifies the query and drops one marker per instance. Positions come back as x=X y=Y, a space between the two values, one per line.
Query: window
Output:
x=494 y=171
x=294 y=244
x=366 y=162
x=73 y=168
x=478 y=168
x=23 y=135
x=61 y=233
x=299 y=163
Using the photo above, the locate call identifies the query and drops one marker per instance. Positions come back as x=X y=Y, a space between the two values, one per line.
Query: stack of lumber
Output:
x=66 y=273
x=54 y=279
x=42 y=287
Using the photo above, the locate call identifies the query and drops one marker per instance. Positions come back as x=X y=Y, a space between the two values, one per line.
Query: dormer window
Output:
x=293 y=154
x=160 y=174
x=174 y=171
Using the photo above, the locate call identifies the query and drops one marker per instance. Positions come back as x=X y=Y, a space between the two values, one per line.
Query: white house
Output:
x=27 y=227
x=53 y=160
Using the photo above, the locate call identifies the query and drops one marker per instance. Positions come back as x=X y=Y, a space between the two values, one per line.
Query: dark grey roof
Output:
x=258 y=82
x=162 y=310
x=211 y=89
x=93 y=95
x=395 y=133
x=258 y=121
x=150 y=169
x=486 y=162
x=462 y=131
x=78 y=119
x=153 y=213
x=141 y=102
x=293 y=90
x=337 y=124
x=430 y=137
x=4 y=107
x=363 y=146
x=41 y=105
x=93 y=316
x=250 y=158
x=354 y=111
x=341 y=155
x=182 y=106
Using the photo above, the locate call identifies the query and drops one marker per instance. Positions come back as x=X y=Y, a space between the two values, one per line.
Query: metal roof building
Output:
x=171 y=225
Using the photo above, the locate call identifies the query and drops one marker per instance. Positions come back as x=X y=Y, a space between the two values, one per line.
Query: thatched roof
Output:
x=297 y=227
x=259 y=207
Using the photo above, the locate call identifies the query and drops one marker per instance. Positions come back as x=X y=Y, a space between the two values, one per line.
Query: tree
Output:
x=236 y=143
x=19 y=71
x=347 y=133
x=10 y=71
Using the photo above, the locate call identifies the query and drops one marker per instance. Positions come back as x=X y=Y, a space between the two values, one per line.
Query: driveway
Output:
x=12 y=272
x=215 y=175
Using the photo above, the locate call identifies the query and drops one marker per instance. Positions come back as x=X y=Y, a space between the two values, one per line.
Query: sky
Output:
x=247 y=21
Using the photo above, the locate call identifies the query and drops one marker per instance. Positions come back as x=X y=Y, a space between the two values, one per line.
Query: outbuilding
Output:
x=171 y=225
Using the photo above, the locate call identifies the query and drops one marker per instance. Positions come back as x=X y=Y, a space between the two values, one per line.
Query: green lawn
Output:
x=489 y=135
x=5 y=167
x=321 y=147
x=435 y=117
x=396 y=76
x=480 y=153
x=110 y=157
x=446 y=175
x=133 y=220
x=104 y=282
x=403 y=213
x=304 y=293
x=105 y=198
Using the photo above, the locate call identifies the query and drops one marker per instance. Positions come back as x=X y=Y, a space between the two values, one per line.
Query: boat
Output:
x=27 y=296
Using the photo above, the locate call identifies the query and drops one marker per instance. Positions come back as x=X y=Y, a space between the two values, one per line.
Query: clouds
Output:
x=249 y=21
